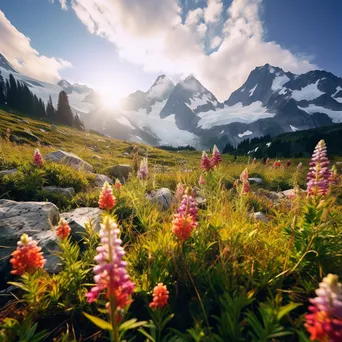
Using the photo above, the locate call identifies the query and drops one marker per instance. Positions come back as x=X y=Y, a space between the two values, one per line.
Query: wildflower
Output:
x=201 y=180
x=63 y=229
x=117 y=184
x=216 y=157
x=319 y=174
x=277 y=164
x=299 y=166
x=246 y=188
x=143 y=170
x=324 y=322
x=188 y=206
x=267 y=161
x=182 y=226
x=184 y=222
x=27 y=257
x=179 y=192
x=205 y=162
x=8 y=133
x=254 y=161
x=107 y=200
x=110 y=273
x=37 y=158
x=160 y=297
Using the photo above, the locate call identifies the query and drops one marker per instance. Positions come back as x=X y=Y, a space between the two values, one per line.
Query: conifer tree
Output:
x=64 y=113
x=2 y=90
x=78 y=124
x=12 y=92
x=50 y=110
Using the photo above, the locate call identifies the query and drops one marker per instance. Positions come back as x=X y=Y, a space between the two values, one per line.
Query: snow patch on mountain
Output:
x=294 y=129
x=199 y=100
x=160 y=88
x=279 y=81
x=251 y=92
x=236 y=113
x=338 y=99
x=308 y=93
x=248 y=132
x=335 y=115
x=268 y=144
x=124 y=121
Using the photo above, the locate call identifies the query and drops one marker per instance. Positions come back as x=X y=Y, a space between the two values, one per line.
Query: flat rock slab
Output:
x=67 y=192
x=8 y=172
x=32 y=218
x=70 y=159
x=77 y=219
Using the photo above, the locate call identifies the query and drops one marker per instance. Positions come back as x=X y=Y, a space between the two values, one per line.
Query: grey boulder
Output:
x=162 y=197
x=67 y=192
x=70 y=159
x=121 y=171
x=100 y=179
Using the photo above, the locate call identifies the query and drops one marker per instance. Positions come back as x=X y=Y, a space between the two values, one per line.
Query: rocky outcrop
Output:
x=69 y=159
x=162 y=197
x=52 y=190
x=32 y=218
x=77 y=219
x=121 y=171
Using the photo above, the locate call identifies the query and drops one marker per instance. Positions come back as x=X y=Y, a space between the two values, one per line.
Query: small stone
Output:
x=255 y=180
x=259 y=216
x=100 y=179
x=8 y=172
x=162 y=197
x=67 y=192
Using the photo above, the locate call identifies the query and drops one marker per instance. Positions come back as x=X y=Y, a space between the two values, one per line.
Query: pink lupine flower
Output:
x=267 y=161
x=254 y=161
x=38 y=158
x=184 y=222
x=143 y=169
x=216 y=157
x=201 y=180
x=319 y=174
x=110 y=273
x=179 y=192
x=107 y=200
x=299 y=166
x=246 y=188
x=324 y=322
x=205 y=162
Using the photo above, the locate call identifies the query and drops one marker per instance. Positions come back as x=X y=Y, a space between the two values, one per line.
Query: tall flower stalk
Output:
x=216 y=157
x=324 y=322
x=319 y=174
x=206 y=164
x=111 y=275
x=143 y=169
x=38 y=158
x=107 y=200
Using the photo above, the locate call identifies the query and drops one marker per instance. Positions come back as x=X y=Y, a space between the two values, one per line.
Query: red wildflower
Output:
x=63 y=229
x=216 y=157
x=117 y=184
x=267 y=161
x=183 y=225
x=27 y=257
x=277 y=164
x=206 y=164
x=38 y=158
x=160 y=296
x=107 y=200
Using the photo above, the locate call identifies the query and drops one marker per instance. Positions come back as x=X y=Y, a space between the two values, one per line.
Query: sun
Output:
x=109 y=100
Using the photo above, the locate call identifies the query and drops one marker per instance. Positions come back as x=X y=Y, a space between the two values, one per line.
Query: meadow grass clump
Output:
x=227 y=259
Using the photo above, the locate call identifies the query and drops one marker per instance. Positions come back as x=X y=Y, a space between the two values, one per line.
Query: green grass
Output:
x=234 y=279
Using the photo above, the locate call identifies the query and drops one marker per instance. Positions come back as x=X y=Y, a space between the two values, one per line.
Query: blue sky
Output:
x=301 y=34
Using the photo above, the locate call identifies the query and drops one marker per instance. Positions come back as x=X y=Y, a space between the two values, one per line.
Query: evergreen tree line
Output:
x=18 y=96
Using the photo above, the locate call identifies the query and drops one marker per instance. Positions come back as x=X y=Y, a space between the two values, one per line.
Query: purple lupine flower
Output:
x=319 y=174
x=110 y=273
x=143 y=170
x=188 y=206
x=216 y=157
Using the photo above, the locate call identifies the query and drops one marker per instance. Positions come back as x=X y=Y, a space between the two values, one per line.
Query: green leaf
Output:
x=131 y=324
x=102 y=324
x=284 y=310
x=166 y=320
x=142 y=331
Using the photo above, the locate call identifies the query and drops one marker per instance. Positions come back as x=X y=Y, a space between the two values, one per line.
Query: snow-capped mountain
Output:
x=271 y=101
x=76 y=92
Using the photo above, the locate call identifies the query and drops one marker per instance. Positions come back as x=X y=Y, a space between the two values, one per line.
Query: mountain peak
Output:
x=64 y=83
x=4 y=63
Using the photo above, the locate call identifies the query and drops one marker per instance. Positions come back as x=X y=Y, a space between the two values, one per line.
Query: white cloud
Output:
x=213 y=11
x=151 y=33
x=16 y=47
x=215 y=42
x=63 y=4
